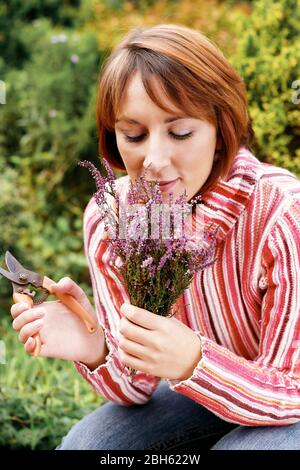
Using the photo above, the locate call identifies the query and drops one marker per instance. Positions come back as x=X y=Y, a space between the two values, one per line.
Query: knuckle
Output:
x=40 y=311
x=155 y=358
x=24 y=333
x=132 y=313
x=122 y=326
x=156 y=345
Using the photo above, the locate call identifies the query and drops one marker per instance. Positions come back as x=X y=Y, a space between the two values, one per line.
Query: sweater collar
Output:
x=225 y=203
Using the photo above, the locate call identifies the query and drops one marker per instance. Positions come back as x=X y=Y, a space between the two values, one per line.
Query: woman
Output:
x=169 y=100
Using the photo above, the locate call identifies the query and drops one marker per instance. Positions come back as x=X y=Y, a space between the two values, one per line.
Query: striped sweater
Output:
x=245 y=308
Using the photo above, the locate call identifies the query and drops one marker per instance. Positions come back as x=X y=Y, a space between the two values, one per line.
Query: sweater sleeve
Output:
x=109 y=379
x=264 y=391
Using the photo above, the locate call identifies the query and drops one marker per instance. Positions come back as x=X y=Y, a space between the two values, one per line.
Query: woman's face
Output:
x=176 y=149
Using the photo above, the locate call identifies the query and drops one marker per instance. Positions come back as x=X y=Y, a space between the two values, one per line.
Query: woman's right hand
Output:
x=62 y=333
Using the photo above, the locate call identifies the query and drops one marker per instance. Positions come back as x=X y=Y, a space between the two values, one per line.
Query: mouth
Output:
x=167 y=185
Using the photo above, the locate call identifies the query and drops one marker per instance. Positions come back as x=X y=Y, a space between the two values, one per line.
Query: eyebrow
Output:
x=170 y=119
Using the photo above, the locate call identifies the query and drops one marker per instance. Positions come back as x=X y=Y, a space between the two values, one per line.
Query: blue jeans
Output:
x=170 y=420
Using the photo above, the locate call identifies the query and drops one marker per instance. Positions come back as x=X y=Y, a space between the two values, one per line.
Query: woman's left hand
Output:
x=157 y=345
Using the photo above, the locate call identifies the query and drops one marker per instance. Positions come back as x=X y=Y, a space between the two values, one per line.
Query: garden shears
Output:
x=22 y=279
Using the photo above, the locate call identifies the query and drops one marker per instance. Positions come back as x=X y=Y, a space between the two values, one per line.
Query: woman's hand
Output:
x=157 y=345
x=62 y=333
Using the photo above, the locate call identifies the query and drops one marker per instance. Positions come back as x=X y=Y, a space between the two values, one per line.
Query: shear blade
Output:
x=11 y=262
x=5 y=273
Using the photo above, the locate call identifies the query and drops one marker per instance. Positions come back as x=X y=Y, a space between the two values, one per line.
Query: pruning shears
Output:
x=22 y=279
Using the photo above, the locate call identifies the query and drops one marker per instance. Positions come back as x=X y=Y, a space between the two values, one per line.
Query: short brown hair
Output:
x=194 y=74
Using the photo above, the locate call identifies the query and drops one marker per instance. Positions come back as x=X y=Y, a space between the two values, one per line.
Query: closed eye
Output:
x=138 y=138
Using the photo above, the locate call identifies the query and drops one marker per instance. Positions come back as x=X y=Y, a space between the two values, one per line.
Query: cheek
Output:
x=129 y=156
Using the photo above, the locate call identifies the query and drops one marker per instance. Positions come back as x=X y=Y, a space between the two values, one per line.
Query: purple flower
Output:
x=158 y=258
x=147 y=262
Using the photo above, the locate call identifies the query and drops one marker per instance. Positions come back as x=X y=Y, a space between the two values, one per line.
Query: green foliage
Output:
x=268 y=58
x=48 y=125
x=40 y=398
x=15 y=13
x=50 y=56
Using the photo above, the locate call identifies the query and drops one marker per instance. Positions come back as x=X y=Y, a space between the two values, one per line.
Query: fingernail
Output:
x=24 y=305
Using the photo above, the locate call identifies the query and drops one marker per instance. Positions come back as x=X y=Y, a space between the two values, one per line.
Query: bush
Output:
x=40 y=398
x=49 y=117
x=268 y=58
x=47 y=125
x=15 y=13
x=50 y=57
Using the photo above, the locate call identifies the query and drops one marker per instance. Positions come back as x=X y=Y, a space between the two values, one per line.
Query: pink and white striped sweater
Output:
x=245 y=308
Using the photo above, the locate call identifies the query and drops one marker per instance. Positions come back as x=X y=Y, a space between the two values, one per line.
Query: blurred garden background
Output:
x=50 y=56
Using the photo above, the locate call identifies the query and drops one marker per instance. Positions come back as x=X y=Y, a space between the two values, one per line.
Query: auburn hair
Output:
x=193 y=73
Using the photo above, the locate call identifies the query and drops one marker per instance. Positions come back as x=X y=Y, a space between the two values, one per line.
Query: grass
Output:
x=40 y=398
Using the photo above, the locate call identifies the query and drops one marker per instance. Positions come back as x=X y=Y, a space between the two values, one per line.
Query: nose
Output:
x=157 y=159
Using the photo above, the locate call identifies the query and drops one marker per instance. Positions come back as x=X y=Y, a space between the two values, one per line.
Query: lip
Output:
x=166 y=185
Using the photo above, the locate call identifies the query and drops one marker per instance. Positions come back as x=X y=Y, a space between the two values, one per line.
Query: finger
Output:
x=27 y=317
x=29 y=346
x=30 y=329
x=134 y=332
x=140 y=316
x=131 y=361
x=66 y=285
x=133 y=348
x=18 y=308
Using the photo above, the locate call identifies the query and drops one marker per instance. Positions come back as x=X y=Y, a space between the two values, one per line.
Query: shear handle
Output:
x=73 y=305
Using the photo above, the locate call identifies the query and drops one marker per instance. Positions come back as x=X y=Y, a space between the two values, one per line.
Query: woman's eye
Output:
x=181 y=136
x=138 y=138
x=132 y=139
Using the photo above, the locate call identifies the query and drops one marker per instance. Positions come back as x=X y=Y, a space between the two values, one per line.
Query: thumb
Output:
x=66 y=285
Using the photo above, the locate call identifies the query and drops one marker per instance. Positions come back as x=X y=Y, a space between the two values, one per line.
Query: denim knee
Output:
x=104 y=429
x=261 y=438
x=166 y=420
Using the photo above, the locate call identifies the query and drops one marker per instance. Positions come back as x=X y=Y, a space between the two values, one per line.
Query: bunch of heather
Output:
x=159 y=250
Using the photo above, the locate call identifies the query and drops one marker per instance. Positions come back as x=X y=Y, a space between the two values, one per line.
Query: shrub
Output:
x=268 y=58
x=40 y=398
